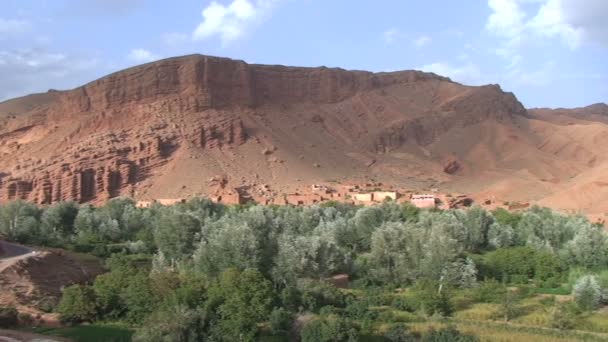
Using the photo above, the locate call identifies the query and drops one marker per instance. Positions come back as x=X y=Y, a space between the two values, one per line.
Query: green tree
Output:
x=173 y=324
x=280 y=321
x=241 y=300
x=78 y=304
x=60 y=217
x=587 y=293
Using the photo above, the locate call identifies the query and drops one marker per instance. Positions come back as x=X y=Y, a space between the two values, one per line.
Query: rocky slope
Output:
x=162 y=130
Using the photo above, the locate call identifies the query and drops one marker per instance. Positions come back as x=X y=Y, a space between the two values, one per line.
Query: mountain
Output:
x=172 y=128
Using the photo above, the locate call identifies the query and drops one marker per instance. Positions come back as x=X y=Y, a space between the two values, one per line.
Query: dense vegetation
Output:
x=204 y=271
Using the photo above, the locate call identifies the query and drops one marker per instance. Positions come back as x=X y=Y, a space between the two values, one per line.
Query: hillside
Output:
x=166 y=129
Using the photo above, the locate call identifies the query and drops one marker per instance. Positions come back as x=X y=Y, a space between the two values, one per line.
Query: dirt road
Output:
x=10 y=253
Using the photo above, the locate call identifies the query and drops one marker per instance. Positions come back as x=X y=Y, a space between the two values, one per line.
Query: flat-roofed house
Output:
x=380 y=196
x=423 y=201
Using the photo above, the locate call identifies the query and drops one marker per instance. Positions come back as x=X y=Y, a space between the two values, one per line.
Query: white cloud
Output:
x=142 y=56
x=507 y=18
x=34 y=70
x=389 y=36
x=422 y=41
x=550 y=21
x=12 y=26
x=231 y=22
x=467 y=73
x=572 y=21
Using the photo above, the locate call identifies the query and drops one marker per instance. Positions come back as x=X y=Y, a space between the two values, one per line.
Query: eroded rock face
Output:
x=451 y=166
x=106 y=138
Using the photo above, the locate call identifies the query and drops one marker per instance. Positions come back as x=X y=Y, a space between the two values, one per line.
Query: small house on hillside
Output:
x=424 y=201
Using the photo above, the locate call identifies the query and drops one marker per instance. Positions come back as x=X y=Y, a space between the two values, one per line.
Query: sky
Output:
x=550 y=53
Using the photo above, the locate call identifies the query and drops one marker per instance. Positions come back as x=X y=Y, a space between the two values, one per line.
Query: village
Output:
x=365 y=194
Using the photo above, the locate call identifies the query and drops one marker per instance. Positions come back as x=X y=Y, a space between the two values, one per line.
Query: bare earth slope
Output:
x=162 y=130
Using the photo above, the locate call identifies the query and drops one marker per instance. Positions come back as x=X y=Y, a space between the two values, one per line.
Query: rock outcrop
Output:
x=118 y=135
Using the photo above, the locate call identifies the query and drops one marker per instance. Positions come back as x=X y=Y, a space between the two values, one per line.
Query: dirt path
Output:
x=10 y=253
x=21 y=336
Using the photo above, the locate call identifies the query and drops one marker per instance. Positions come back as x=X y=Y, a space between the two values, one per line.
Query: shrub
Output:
x=175 y=323
x=329 y=329
x=399 y=333
x=433 y=303
x=564 y=316
x=509 y=307
x=317 y=294
x=25 y=319
x=8 y=317
x=404 y=303
x=489 y=291
x=519 y=264
x=78 y=304
x=448 y=334
x=587 y=293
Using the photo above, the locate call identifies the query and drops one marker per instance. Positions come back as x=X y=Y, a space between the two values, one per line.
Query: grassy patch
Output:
x=558 y=291
x=479 y=312
x=597 y=322
x=505 y=332
x=90 y=333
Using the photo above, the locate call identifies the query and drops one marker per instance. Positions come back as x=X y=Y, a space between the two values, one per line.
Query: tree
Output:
x=501 y=235
x=138 y=297
x=564 y=316
x=175 y=323
x=307 y=257
x=175 y=233
x=241 y=300
x=509 y=308
x=230 y=243
x=589 y=247
x=477 y=223
x=280 y=321
x=395 y=254
x=587 y=293
x=468 y=274
x=78 y=304
x=60 y=217
x=20 y=221
x=506 y=218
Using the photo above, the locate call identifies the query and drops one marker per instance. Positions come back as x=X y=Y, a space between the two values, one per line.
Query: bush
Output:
x=448 y=334
x=404 y=303
x=280 y=321
x=78 y=304
x=564 y=316
x=519 y=264
x=509 y=307
x=25 y=319
x=489 y=291
x=176 y=323
x=432 y=303
x=587 y=293
x=329 y=329
x=9 y=317
x=317 y=294
x=399 y=333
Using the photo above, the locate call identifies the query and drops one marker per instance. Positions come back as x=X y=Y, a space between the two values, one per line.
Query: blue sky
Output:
x=550 y=53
